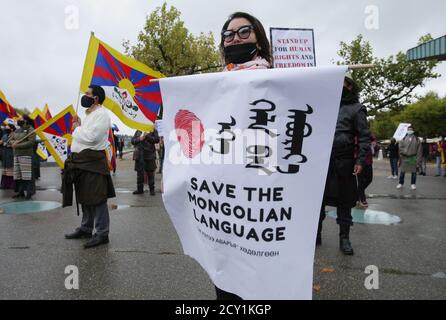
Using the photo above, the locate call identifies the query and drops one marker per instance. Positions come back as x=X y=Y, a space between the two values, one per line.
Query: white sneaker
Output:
x=413 y=187
x=395 y=177
x=390 y=177
x=400 y=186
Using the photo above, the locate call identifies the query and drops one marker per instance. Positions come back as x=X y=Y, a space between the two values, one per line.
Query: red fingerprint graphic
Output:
x=190 y=133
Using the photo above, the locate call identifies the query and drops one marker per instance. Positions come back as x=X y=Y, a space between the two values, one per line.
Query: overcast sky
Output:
x=41 y=60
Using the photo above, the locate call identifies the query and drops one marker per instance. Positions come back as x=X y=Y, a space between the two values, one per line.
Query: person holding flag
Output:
x=22 y=142
x=87 y=168
x=129 y=93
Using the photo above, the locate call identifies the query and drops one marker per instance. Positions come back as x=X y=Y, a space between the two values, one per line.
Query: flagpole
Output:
x=350 y=67
x=79 y=91
x=78 y=97
x=18 y=141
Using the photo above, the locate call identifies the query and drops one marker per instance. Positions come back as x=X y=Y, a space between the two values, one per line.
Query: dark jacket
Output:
x=7 y=152
x=352 y=122
x=393 y=150
x=425 y=149
x=145 y=149
x=341 y=186
x=26 y=146
x=88 y=171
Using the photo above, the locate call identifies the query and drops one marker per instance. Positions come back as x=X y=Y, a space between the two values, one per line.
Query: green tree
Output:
x=22 y=110
x=391 y=83
x=384 y=125
x=427 y=115
x=167 y=46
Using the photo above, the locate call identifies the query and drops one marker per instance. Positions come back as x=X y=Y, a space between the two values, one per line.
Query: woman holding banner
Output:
x=244 y=46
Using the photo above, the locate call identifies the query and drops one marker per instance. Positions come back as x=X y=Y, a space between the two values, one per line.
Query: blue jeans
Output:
x=439 y=167
x=394 y=166
x=413 y=178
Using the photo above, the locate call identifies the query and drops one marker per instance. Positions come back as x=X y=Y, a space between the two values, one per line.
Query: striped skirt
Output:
x=22 y=168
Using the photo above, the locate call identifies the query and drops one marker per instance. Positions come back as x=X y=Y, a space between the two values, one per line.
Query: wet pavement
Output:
x=144 y=258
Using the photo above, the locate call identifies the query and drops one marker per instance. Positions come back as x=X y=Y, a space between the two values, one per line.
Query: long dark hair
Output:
x=262 y=39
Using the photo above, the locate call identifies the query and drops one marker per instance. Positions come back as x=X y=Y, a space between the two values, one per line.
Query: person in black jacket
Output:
x=145 y=159
x=425 y=156
x=393 y=152
x=341 y=185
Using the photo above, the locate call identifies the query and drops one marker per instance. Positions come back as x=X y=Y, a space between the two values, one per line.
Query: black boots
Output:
x=78 y=234
x=344 y=241
x=96 y=241
x=21 y=194
x=22 y=186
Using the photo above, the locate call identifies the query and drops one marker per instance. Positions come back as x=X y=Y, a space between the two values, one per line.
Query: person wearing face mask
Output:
x=411 y=155
x=7 y=181
x=244 y=44
x=87 y=168
x=145 y=159
x=22 y=142
x=341 y=184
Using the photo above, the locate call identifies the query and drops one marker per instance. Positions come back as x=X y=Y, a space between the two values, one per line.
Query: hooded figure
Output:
x=341 y=185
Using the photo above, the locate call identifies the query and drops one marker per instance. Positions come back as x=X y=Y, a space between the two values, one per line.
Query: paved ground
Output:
x=144 y=259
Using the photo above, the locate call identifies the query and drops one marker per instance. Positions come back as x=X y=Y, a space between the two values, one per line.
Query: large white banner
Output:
x=247 y=155
x=293 y=48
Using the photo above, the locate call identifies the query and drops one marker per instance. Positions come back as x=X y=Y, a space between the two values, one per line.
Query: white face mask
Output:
x=410 y=132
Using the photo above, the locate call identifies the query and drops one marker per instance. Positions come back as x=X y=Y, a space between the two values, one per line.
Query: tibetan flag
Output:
x=46 y=112
x=6 y=109
x=38 y=117
x=111 y=151
x=56 y=133
x=42 y=151
x=129 y=92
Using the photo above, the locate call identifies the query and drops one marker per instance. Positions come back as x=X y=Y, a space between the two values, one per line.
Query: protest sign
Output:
x=247 y=155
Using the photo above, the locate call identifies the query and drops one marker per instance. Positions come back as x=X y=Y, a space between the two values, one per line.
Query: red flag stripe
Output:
x=103 y=73
x=144 y=82
x=152 y=116
x=107 y=56
x=150 y=96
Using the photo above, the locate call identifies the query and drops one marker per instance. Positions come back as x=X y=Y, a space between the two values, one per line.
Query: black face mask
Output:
x=348 y=96
x=21 y=123
x=240 y=53
x=87 y=102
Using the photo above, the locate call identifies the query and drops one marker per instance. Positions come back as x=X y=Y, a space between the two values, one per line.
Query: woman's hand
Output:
x=357 y=169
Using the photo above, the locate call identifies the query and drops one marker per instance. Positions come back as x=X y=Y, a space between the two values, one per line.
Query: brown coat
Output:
x=88 y=171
